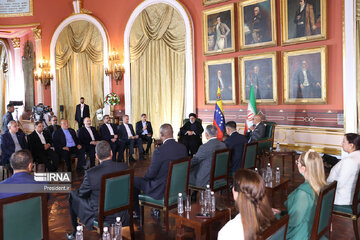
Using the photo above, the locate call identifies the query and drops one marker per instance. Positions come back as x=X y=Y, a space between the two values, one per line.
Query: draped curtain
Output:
x=79 y=69
x=358 y=58
x=4 y=64
x=157 y=54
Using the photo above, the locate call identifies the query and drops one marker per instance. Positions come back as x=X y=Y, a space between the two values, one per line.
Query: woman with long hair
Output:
x=301 y=203
x=255 y=213
x=346 y=171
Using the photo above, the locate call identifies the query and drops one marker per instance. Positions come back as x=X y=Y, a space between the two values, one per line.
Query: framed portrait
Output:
x=16 y=8
x=260 y=71
x=303 y=21
x=218 y=30
x=209 y=2
x=304 y=76
x=220 y=73
x=257 y=26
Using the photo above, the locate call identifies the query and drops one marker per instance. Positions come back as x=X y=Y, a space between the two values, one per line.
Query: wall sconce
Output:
x=116 y=69
x=43 y=73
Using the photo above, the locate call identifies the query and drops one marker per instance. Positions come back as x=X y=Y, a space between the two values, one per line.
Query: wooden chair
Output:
x=351 y=211
x=24 y=217
x=324 y=208
x=276 y=231
x=268 y=141
x=249 y=156
x=177 y=182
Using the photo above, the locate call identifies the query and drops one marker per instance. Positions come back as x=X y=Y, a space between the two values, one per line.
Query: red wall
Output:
x=115 y=14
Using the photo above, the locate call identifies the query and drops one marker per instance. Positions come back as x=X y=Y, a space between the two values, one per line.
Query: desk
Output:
x=283 y=153
x=273 y=187
x=201 y=226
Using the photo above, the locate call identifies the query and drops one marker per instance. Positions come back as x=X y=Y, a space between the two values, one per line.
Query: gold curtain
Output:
x=358 y=58
x=79 y=69
x=4 y=67
x=157 y=53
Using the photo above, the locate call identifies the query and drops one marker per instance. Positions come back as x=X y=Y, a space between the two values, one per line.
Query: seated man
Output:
x=12 y=141
x=7 y=117
x=144 y=130
x=201 y=163
x=84 y=203
x=89 y=137
x=40 y=146
x=236 y=142
x=109 y=133
x=53 y=127
x=256 y=131
x=67 y=143
x=190 y=134
x=22 y=163
x=154 y=181
x=128 y=137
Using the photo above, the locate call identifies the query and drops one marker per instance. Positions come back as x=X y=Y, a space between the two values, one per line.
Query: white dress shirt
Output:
x=145 y=132
x=345 y=173
x=128 y=130
x=82 y=109
x=41 y=136
x=110 y=129
x=233 y=230
x=91 y=133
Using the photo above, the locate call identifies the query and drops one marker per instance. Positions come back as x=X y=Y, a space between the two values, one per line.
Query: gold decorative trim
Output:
x=15 y=42
x=30 y=13
x=20 y=25
x=37 y=32
x=296 y=147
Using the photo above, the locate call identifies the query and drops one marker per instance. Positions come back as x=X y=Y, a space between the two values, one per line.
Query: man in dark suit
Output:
x=145 y=131
x=82 y=111
x=154 y=181
x=190 y=134
x=66 y=143
x=109 y=133
x=54 y=126
x=201 y=163
x=89 y=137
x=256 y=131
x=7 y=117
x=236 y=142
x=84 y=203
x=12 y=141
x=128 y=137
x=40 y=146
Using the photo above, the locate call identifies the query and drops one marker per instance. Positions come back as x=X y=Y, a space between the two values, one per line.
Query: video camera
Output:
x=39 y=111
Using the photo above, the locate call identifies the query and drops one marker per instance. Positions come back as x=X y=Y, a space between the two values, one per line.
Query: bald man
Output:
x=256 y=131
x=66 y=143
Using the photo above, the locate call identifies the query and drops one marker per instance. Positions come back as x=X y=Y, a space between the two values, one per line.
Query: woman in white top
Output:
x=345 y=172
x=255 y=213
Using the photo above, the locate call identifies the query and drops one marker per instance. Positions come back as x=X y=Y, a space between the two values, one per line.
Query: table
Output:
x=283 y=153
x=274 y=186
x=201 y=226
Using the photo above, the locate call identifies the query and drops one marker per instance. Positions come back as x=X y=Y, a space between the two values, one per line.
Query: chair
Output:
x=352 y=212
x=116 y=194
x=324 y=208
x=268 y=141
x=177 y=182
x=219 y=172
x=276 y=231
x=24 y=217
x=249 y=156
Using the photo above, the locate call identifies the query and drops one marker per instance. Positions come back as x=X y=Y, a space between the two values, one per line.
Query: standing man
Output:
x=258 y=27
x=89 y=137
x=82 y=111
x=67 y=143
x=145 y=131
x=128 y=137
x=221 y=35
x=190 y=134
x=54 y=126
x=257 y=131
x=304 y=19
x=308 y=87
x=12 y=141
x=7 y=117
x=109 y=133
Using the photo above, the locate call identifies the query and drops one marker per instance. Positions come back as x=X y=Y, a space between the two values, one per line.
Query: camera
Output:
x=39 y=111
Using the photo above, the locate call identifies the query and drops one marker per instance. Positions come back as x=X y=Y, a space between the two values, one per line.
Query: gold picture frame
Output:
x=305 y=75
x=17 y=11
x=218 y=36
x=210 y=2
x=257 y=24
x=307 y=25
x=220 y=73
x=261 y=69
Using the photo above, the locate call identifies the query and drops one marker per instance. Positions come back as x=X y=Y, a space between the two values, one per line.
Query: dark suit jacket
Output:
x=35 y=145
x=8 y=145
x=86 y=112
x=90 y=187
x=123 y=133
x=18 y=178
x=139 y=128
x=236 y=142
x=6 y=119
x=51 y=129
x=105 y=133
x=157 y=173
x=59 y=139
x=257 y=133
x=84 y=136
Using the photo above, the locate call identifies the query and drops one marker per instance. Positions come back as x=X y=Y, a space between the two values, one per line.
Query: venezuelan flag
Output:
x=219 y=118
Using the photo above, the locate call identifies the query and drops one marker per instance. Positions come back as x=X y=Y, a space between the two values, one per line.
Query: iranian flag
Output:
x=251 y=112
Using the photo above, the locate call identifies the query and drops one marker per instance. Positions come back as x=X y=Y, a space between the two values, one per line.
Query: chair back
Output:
x=24 y=217
x=177 y=181
x=269 y=129
x=220 y=166
x=356 y=198
x=276 y=231
x=249 y=156
x=324 y=208
x=268 y=141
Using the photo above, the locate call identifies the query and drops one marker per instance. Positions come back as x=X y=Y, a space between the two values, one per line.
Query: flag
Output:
x=251 y=112
x=219 y=119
